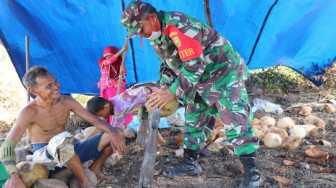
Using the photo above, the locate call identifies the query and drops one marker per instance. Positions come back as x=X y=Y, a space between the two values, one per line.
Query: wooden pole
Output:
x=148 y=163
x=121 y=74
x=141 y=135
x=207 y=13
x=27 y=62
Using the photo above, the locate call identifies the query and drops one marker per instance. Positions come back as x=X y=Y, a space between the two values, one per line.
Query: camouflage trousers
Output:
x=200 y=121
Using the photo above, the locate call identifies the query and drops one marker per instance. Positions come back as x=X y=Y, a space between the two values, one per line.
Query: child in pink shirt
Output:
x=110 y=70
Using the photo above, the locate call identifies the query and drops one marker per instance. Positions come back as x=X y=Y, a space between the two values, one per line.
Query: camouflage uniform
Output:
x=206 y=72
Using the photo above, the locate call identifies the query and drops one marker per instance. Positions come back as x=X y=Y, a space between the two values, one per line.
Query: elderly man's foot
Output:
x=107 y=179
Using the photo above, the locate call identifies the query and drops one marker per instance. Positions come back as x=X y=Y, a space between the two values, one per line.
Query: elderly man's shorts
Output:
x=86 y=150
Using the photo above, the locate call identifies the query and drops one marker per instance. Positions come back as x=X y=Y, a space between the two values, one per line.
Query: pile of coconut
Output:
x=286 y=132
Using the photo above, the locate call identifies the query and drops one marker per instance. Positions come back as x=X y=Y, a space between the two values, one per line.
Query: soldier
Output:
x=200 y=67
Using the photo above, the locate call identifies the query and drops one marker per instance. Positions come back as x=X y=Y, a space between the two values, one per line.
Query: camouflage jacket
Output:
x=195 y=58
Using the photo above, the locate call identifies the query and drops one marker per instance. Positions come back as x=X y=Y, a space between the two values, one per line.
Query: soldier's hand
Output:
x=160 y=98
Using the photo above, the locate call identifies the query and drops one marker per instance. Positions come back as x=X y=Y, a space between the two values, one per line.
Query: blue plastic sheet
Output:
x=68 y=37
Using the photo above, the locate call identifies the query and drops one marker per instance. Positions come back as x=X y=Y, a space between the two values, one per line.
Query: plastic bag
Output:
x=266 y=106
x=128 y=102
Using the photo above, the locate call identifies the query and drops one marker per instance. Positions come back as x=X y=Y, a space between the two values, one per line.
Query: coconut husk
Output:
x=305 y=110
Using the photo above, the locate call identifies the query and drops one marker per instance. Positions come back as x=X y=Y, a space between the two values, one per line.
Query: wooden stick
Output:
x=121 y=74
x=142 y=133
x=207 y=13
x=148 y=163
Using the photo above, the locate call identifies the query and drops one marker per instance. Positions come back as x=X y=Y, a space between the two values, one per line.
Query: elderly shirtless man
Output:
x=44 y=118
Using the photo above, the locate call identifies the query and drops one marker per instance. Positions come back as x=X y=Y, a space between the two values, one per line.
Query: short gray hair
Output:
x=29 y=79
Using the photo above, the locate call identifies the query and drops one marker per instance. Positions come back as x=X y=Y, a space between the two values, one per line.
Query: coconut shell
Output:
x=318 y=133
x=213 y=136
x=297 y=131
x=256 y=121
x=219 y=123
x=329 y=108
x=308 y=128
x=310 y=119
x=305 y=110
x=221 y=133
x=259 y=133
x=319 y=123
x=283 y=133
x=167 y=110
x=285 y=123
x=30 y=172
x=291 y=142
x=272 y=140
x=268 y=121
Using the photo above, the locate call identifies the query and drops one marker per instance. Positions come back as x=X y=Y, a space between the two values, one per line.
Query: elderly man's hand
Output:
x=117 y=142
x=14 y=182
x=160 y=98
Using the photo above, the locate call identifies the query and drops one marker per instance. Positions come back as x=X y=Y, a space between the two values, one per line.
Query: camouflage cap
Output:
x=131 y=17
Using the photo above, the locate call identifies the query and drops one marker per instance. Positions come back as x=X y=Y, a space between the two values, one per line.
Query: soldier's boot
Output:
x=252 y=177
x=188 y=166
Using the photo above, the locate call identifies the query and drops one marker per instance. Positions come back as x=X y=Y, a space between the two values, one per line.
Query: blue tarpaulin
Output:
x=69 y=36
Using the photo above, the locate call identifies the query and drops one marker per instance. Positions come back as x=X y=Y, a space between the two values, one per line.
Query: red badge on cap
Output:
x=188 y=47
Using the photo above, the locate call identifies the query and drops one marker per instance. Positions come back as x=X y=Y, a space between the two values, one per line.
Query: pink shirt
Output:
x=105 y=81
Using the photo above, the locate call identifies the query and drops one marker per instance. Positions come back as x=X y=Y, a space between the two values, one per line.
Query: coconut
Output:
x=317 y=133
x=329 y=108
x=259 y=133
x=283 y=133
x=319 y=123
x=314 y=121
x=256 y=121
x=285 y=123
x=272 y=140
x=308 y=128
x=167 y=110
x=297 y=131
x=30 y=172
x=305 y=110
x=291 y=142
x=268 y=121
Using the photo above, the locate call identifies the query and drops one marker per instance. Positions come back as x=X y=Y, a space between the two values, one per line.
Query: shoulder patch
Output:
x=188 y=47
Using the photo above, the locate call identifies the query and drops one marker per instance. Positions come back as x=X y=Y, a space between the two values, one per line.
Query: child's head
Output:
x=100 y=107
x=110 y=51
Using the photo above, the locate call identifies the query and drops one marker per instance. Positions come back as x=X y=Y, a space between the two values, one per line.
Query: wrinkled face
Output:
x=105 y=112
x=47 y=87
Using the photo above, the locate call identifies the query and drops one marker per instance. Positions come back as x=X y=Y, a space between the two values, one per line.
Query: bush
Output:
x=278 y=79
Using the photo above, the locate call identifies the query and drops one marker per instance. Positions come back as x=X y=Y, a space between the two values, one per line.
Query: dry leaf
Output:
x=288 y=162
x=282 y=170
x=314 y=152
x=179 y=140
x=283 y=180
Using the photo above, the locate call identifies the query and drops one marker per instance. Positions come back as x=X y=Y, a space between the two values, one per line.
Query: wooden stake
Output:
x=148 y=163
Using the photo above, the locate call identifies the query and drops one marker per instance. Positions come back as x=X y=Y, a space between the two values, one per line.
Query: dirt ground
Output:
x=222 y=169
